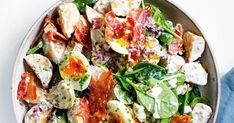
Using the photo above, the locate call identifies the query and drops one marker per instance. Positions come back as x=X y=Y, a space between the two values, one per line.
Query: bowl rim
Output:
x=212 y=54
x=172 y=2
x=21 y=49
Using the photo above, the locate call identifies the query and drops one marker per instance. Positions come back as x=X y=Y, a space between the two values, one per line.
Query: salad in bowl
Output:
x=113 y=61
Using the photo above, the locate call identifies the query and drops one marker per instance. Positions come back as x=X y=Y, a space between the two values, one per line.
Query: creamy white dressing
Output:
x=155 y=92
x=139 y=112
x=172 y=82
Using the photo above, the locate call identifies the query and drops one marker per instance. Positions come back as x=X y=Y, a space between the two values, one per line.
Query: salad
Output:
x=113 y=61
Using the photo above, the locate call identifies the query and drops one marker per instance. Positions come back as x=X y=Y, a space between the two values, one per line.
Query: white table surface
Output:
x=17 y=16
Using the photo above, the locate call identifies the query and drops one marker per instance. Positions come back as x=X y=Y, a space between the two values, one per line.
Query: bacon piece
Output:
x=176 y=47
x=181 y=119
x=116 y=27
x=100 y=90
x=36 y=39
x=98 y=23
x=82 y=34
x=141 y=15
x=51 y=33
x=27 y=88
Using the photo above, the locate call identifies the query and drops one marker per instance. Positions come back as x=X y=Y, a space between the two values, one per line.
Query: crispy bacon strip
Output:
x=51 y=33
x=181 y=119
x=98 y=23
x=176 y=47
x=81 y=34
x=36 y=39
x=27 y=88
x=114 y=28
x=99 y=92
x=47 y=21
x=141 y=17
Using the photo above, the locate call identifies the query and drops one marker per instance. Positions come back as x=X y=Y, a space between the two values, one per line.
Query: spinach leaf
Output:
x=80 y=4
x=124 y=83
x=36 y=48
x=122 y=95
x=168 y=102
x=144 y=64
x=143 y=72
x=198 y=100
x=191 y=98
x=178 y=76
x=194 y=93
x=166 y=38
x=160 y=20
x=184 y=100
x=143 y=98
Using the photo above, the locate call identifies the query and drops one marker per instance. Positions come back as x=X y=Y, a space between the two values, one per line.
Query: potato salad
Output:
x=113 y=61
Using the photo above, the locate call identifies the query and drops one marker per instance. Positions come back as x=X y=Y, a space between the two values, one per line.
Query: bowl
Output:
x=174 y=13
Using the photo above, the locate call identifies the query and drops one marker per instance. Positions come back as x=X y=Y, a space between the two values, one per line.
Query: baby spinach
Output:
x=198 y=100
x=143 y=72
x=168 y=102
x=191 y=98
x=180 y=78
x=122 y=95
x=124 y=84
x=194 y=93
x=36 y=48
x=160 y=20
x=166 y=38
x=143 y=98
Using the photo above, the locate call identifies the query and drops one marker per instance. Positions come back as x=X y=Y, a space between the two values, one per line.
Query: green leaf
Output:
x=166 y=38
x=168 y=102
x=194 y=93
x=198 y=100
x=124 y=84
x=122 y=95
x=145 y=100
x=143 y=72
x=160 y=20
x=180 y=78
x=82 y=3
x=36 y=48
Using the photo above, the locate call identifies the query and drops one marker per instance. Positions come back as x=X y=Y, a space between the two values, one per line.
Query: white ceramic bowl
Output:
x=174 y=13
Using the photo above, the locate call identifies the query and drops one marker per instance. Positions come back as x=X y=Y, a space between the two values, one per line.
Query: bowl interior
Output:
x=173 y=13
